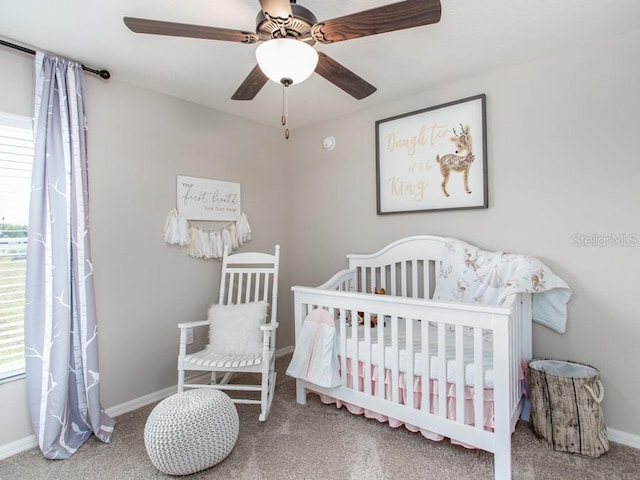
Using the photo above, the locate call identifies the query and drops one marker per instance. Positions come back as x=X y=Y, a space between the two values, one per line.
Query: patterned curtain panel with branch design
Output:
x=61 y=344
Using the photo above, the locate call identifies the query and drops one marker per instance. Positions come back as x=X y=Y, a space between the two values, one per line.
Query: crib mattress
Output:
x=403 y=356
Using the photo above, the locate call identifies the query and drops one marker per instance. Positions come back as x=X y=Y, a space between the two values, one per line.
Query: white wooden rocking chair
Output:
x=239 y=338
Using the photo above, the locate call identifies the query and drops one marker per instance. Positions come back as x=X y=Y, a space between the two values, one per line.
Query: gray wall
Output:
x=561 y=136
x=561 y=161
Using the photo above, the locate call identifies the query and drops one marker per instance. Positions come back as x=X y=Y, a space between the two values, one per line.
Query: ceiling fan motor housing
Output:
x=299 y=27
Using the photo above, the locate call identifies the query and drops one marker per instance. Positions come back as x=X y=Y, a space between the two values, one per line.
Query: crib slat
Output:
x=426 y=278
x=425 y=403
x=355 y=377
x=409 y=374
x=368 y=279
x=460 y=374
x=478 y=391
x=381 y=361
x=366 y=362
x=343 y=346
x=394 y=285
x=442 y=372
x=403 y=278
x=373 y=280
x=414 y=279
x=516 y=354
x=395 y=360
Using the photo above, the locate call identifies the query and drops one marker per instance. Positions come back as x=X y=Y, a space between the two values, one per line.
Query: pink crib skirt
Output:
x=469 y=412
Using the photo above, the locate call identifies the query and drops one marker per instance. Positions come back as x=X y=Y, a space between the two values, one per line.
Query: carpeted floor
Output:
x=321 y=442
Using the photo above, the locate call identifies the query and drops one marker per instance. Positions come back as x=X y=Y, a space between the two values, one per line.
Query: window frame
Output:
x=25 y=123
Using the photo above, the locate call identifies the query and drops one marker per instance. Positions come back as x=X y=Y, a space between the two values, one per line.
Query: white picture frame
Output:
x=423 y=164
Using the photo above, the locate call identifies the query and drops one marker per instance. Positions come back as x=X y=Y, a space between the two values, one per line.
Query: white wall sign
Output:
x=204 y=199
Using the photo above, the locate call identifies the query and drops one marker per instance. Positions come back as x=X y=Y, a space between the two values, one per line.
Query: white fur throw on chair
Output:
x=235 y=329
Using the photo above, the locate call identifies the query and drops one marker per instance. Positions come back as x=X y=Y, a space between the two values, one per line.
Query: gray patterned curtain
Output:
x=61 y=344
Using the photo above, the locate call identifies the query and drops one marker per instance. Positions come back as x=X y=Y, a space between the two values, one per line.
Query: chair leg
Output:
x=264 y=397
x=272 y=389
x=180 y=379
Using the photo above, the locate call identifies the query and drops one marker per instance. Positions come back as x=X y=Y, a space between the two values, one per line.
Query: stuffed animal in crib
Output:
x=373 y=318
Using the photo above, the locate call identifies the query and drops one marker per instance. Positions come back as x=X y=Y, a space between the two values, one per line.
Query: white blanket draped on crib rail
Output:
x=468 y=274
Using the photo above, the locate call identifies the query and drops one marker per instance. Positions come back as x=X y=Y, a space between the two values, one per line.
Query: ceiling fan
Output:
x=284 y=19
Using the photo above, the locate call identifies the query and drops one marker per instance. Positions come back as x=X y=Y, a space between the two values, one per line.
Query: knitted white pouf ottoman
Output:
x=191 y=431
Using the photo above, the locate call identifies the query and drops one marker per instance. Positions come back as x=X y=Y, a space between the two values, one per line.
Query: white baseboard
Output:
x=284 y=351
x=628 y=439
x=12 y=448
x=140 y=402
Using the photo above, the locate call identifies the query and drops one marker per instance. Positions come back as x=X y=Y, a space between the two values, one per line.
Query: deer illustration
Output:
x=537 y=280
x=457 y=162
x=471 y=260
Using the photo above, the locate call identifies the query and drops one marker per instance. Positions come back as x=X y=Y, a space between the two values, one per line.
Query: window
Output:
x=16 y=158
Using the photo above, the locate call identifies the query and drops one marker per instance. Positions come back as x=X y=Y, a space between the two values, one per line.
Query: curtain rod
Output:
x=102 y=73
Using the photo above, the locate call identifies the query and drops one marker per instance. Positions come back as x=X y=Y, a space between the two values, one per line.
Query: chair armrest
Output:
x=269 y=326
x=200 y=323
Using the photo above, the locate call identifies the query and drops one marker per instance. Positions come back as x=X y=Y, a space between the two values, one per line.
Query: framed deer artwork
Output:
x=433 y=159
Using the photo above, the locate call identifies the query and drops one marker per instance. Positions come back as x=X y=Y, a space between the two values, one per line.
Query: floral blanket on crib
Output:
x=468 y=274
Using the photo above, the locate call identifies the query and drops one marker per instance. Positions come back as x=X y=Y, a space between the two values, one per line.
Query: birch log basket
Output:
x=566 y=408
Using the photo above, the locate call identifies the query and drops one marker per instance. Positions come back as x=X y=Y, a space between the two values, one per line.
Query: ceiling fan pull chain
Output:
x=284 y=104
x=285 y=108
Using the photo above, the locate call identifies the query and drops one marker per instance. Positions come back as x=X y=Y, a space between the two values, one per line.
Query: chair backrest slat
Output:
x=250 y=277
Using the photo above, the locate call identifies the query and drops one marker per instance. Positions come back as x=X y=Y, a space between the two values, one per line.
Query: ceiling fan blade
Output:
x=251 y=85
x=343 y=78
x=397 y=16
x=157 y=27
x=276 y=10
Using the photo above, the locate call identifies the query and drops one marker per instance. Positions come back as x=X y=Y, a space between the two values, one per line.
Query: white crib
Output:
x=472 y=354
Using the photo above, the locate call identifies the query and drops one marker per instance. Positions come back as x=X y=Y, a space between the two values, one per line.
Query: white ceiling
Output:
x=473 y=36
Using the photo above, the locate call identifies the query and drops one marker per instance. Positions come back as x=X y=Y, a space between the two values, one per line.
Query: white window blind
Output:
x=16 y=159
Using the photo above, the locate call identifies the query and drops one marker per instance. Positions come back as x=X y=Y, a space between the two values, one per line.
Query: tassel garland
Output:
x=205 y=243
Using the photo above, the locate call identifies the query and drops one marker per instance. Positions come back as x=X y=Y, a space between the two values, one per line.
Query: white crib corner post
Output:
x=298 y=316
x=502 y=396
x=502 y=464
x=527 y=326
x=502 y=451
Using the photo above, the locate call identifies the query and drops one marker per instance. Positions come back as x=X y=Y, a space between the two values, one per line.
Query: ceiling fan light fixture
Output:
x=286 y=59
